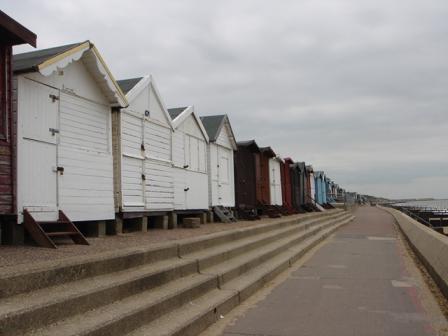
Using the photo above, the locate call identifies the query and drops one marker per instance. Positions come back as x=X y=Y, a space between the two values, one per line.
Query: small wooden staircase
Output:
x=224 y=214
x=43 y=232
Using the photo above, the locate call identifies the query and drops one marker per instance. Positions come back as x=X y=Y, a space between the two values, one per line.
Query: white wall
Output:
x=190 y=151
x=221 y=176
x=147 y=175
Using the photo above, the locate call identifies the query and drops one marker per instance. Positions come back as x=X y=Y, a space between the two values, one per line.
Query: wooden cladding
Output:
x=5 y=89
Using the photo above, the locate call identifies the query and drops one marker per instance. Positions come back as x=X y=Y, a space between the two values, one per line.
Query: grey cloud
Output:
x=358 y=88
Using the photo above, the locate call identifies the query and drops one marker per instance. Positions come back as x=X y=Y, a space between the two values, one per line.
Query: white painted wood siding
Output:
x=221 y=177
x=146 y=170
x=190 y=177
x=275 y=182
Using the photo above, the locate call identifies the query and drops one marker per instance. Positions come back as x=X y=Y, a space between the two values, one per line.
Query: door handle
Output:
x=186 y=189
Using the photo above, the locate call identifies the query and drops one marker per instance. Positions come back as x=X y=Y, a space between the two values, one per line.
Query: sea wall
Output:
x=430 y=246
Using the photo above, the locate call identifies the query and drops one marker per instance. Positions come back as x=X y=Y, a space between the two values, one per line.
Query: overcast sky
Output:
x=358 y=88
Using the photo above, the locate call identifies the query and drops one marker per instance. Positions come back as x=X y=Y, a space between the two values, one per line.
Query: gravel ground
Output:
x=19 y=255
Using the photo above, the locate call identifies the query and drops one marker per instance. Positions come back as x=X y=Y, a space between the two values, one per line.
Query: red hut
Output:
x=286 y=185
x=11 y=33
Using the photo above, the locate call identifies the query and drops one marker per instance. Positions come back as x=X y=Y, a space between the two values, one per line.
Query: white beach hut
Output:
x=275 y=180
x=221 y=177
x=189 y=161
x=63 y=102
x=143 y=134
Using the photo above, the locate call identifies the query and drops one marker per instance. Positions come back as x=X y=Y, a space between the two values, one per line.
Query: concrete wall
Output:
x=430 y=246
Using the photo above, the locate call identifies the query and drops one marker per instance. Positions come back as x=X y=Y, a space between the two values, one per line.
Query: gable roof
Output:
x=176 y=111
x=180 y=114
x=47 y=61
x=214 y=124
x=250 y=144
x=127 y=84
x=268 y=151
x=29 y=61
x=134 y=86
x=13 y=33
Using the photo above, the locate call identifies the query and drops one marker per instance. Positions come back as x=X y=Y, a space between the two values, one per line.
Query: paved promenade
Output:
x=361 y=282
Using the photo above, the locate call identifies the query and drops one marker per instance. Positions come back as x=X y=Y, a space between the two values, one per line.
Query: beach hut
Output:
x=12 y=33
x=247 y=179
x=285 y=166
x=275 y=180
x=320 y=191
x=189 y=155
x=295 y=185
x=310 y=185
x=142 y=135
x=221 y=177
x=64 y=139
x=299 y=173
x=264 y=197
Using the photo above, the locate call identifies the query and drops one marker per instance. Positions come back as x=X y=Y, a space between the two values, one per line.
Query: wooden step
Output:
x=38 y=230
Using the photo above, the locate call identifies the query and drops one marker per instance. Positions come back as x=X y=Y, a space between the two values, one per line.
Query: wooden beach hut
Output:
x=12 y=33
x=299 y=173
x=64 y=147
x=275 y=180
x=189 y=155
x=310 y=185
x=264 y=199
x=221 y=176
x=142 y=135
x=247 y=179
x=287 y=185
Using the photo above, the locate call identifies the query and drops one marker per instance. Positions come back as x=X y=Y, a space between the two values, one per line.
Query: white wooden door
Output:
x=223 y=176
x=133 y=163
x=37 y=149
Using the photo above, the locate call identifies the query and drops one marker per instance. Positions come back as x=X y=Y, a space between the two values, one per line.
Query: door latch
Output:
x=53 y=97
x=53 y=131
x=143 y=177
x=186 y=189
x=59 y=169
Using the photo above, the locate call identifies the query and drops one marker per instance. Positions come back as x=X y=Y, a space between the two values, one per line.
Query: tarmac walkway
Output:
x=363 y=281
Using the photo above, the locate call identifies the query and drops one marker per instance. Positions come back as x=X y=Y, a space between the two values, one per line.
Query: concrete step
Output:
x=33 y=277
x=113 y=304
x=42 y=307
x=144 y=307
x=125 y=315
x=197 y=315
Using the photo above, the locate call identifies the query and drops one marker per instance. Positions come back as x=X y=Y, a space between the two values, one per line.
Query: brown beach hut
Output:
x=287 y=185
x=247 y=179
x=11 y=33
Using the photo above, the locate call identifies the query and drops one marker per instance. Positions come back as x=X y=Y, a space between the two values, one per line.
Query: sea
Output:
x=439 y=204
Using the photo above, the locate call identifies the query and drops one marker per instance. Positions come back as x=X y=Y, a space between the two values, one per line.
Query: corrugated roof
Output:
x=126 y=85
x=213 y=125
x=174 y=112
x=27 y=62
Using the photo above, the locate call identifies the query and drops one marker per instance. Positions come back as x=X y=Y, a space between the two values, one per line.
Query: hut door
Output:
x=37 y=153
x=223 y=176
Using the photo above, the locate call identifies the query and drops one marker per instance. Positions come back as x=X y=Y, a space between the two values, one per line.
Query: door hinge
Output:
x=53 y=97
x=53 y=131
